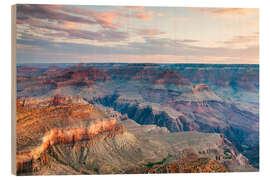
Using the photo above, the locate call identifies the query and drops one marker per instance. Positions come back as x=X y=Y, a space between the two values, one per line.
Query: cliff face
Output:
x=34 y=103
x=170 y=77
x=26 y=159
x=44 y=123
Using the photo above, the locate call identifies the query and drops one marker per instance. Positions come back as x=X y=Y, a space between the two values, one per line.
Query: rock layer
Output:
x=25 y=159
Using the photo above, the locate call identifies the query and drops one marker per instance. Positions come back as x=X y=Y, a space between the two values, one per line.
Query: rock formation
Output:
x=156 y=107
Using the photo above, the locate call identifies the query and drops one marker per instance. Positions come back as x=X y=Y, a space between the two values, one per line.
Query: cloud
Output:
x=160 y=14
x=228 y=11
x=135 y=7
x=102 y=36
x=72 y=25
x=53 y=22
x=107 y=19
x=48 y=12
x=151 y=47
x=69 y=20
x=64 y=32
x=149 y=32
x=242 y=41
x=148 y=15
x=232 y=11
x=62 y=15
x=189 y=41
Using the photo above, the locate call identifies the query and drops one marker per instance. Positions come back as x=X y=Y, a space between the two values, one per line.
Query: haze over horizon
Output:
x=81 y=34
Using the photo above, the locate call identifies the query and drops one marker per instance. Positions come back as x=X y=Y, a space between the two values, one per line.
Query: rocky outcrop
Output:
x=32 y=103
x=52 y=79
x=200 y=88
x=151 y=73
x=43 y=124
x=190 y=162
x=80 y=78
x=26 y=159
x=91 y=74
x=142 y=114
x=21 y=70
x=170 y=77
x=35 y=117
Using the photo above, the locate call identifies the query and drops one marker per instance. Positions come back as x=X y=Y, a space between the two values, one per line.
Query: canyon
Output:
x=136 y=118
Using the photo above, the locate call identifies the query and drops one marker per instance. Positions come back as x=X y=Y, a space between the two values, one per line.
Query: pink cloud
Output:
x=70 y=24
x=69 y=16
x=148 y=15
x=160 y=14
x=107 y=19
x=243 y=40
x=150 y=32
x=228 y=11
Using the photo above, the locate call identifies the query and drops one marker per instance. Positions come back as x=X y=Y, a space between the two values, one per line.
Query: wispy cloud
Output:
x=135 y=7
x=63 y=15
x=64 y=32
x=242 y=41
x=228 y=11
x=149 y=32
x=48 y=12
x=232 y=11
x=145 y=15
x=151 y=47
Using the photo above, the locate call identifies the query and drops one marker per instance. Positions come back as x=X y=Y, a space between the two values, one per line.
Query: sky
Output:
x=81 y=34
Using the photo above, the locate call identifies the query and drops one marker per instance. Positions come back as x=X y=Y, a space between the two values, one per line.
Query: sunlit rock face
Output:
x=65 y=136
x=44 y=123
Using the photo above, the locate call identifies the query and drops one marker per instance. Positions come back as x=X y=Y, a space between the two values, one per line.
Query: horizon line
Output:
x=134 y=63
